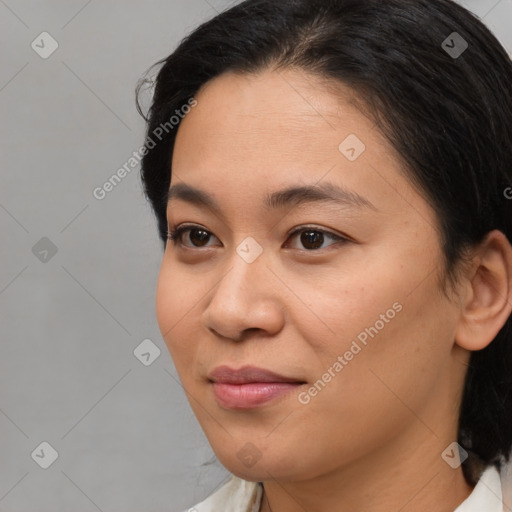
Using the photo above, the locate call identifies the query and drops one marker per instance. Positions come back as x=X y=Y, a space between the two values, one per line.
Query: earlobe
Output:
x=488 y=302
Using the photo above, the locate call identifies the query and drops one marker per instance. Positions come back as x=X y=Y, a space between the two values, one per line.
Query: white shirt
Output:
x=492 y=493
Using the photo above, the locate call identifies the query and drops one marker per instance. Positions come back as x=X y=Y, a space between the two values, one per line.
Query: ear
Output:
x=486 y=303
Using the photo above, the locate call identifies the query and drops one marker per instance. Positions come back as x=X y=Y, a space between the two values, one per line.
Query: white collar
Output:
x=236 y=495
x=491 y=493
x=486 y=496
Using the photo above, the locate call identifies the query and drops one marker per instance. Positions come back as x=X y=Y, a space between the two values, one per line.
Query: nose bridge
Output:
x=244 y=297
x=247 y=275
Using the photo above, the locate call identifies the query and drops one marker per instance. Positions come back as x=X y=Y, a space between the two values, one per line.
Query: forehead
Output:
x=250 y=134
x=270 y=118
x=280 y=111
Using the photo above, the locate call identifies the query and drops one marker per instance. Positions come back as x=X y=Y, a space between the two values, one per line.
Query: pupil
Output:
x=202 y=238
x=312 y=237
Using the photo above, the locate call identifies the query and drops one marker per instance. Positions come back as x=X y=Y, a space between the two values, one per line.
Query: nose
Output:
x=246 y=299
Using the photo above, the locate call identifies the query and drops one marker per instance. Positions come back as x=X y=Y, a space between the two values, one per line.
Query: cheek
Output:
x=356 y=304
x=394 y=362
x=387 y=321
x=393 y=374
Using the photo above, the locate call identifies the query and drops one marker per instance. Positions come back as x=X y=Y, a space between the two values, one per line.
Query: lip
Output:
x=249 y=386
x=247 y=374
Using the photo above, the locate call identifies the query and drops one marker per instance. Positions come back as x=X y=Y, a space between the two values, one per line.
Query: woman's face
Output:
x=348 y=308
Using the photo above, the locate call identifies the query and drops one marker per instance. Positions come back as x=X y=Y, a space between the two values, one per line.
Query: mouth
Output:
x=249 y=386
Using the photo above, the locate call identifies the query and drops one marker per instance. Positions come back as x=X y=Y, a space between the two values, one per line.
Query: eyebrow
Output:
x=291 y=196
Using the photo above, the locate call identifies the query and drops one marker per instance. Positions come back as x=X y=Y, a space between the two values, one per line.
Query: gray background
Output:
x=125 y=435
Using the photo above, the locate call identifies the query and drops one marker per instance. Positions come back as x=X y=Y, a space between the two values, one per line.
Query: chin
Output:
x=252 y=465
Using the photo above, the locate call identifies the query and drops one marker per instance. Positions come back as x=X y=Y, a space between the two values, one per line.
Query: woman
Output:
x=331 y=181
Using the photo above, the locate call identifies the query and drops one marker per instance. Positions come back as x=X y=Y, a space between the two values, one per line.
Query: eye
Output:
x=197 y=234
x=311 y=238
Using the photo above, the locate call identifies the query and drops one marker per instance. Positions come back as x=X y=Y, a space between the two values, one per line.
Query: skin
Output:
x=372 y=438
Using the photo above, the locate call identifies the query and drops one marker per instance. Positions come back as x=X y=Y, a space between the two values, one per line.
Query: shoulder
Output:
x=236 y=495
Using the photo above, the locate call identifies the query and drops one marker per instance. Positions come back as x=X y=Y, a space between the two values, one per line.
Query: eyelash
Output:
x=175 y=233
